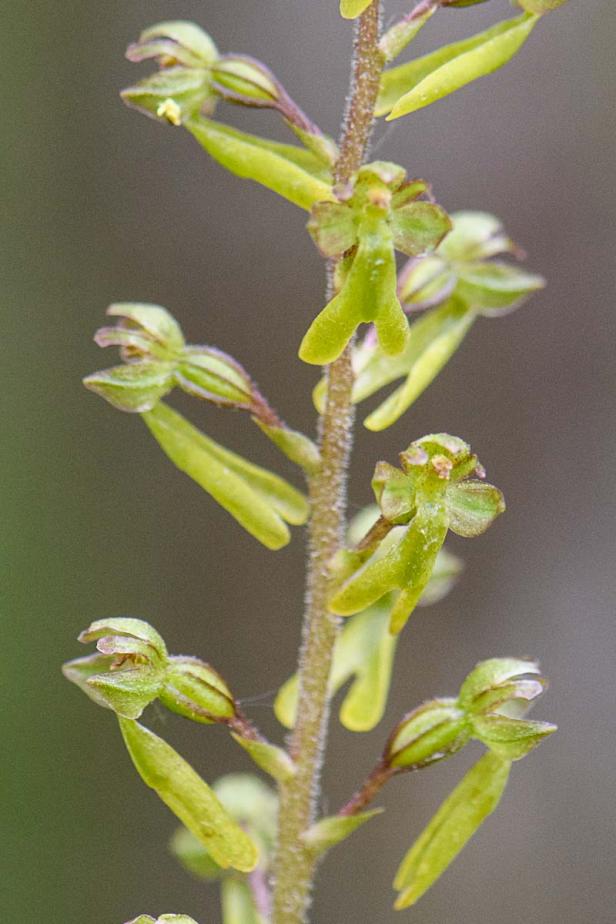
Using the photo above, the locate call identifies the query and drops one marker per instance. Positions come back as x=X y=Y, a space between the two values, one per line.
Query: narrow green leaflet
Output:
x=276 y=166
x=328 y=832
x=351 y=9
x=268 y=757
x=434 y=338
x=256 y=498
x=425 y=80
x=238 y=906
x=454 y=824
x=364 y=651
x=189 y=797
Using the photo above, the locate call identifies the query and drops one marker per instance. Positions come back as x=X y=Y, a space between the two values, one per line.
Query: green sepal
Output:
x=473 y=506
x=368 y=293
x=127 y=692
x=154 y=321
x=264 y=162
x=510 y=738
x=419 y=227
x=268 y=757
x=454 y=824
x=492 y=287
x=403 y=32
x=326 y=833
x=174 y=94
x=237 y=903
x=433 y=340
x=257 y=499
x=187 y=36
x=332 y=228
x=351 y=9
x=196 y=691
x=189 y=797
x=409 y=87
x=135 y=388
x=297 y=447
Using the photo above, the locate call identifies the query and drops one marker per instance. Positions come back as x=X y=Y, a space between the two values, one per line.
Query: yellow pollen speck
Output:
x=170 y=111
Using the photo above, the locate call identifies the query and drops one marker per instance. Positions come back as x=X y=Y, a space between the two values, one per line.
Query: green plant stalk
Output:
x=295 y=866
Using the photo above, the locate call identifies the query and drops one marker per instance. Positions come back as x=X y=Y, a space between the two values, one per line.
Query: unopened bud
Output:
x=245 y=80
x=196 y=691
x=432 y=732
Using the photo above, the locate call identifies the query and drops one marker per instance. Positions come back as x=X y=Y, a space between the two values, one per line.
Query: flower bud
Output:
x=433 y=731
x=242 y=79
x=128 y=673
x=500 y=681
x=196 y=691
x=208 y=373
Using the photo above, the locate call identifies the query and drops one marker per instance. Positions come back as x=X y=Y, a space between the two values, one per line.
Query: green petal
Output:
x=419 y=227
x=425 y=80
x=273 y=165
x=454 y=824
x=189 y=797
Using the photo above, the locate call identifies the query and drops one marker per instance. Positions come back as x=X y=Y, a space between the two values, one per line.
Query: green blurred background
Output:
x=101 y=204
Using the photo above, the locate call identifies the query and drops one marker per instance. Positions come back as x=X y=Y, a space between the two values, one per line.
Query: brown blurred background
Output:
x=102 y=204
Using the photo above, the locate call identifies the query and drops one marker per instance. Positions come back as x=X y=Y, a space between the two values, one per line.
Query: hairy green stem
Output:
x=295 y=866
